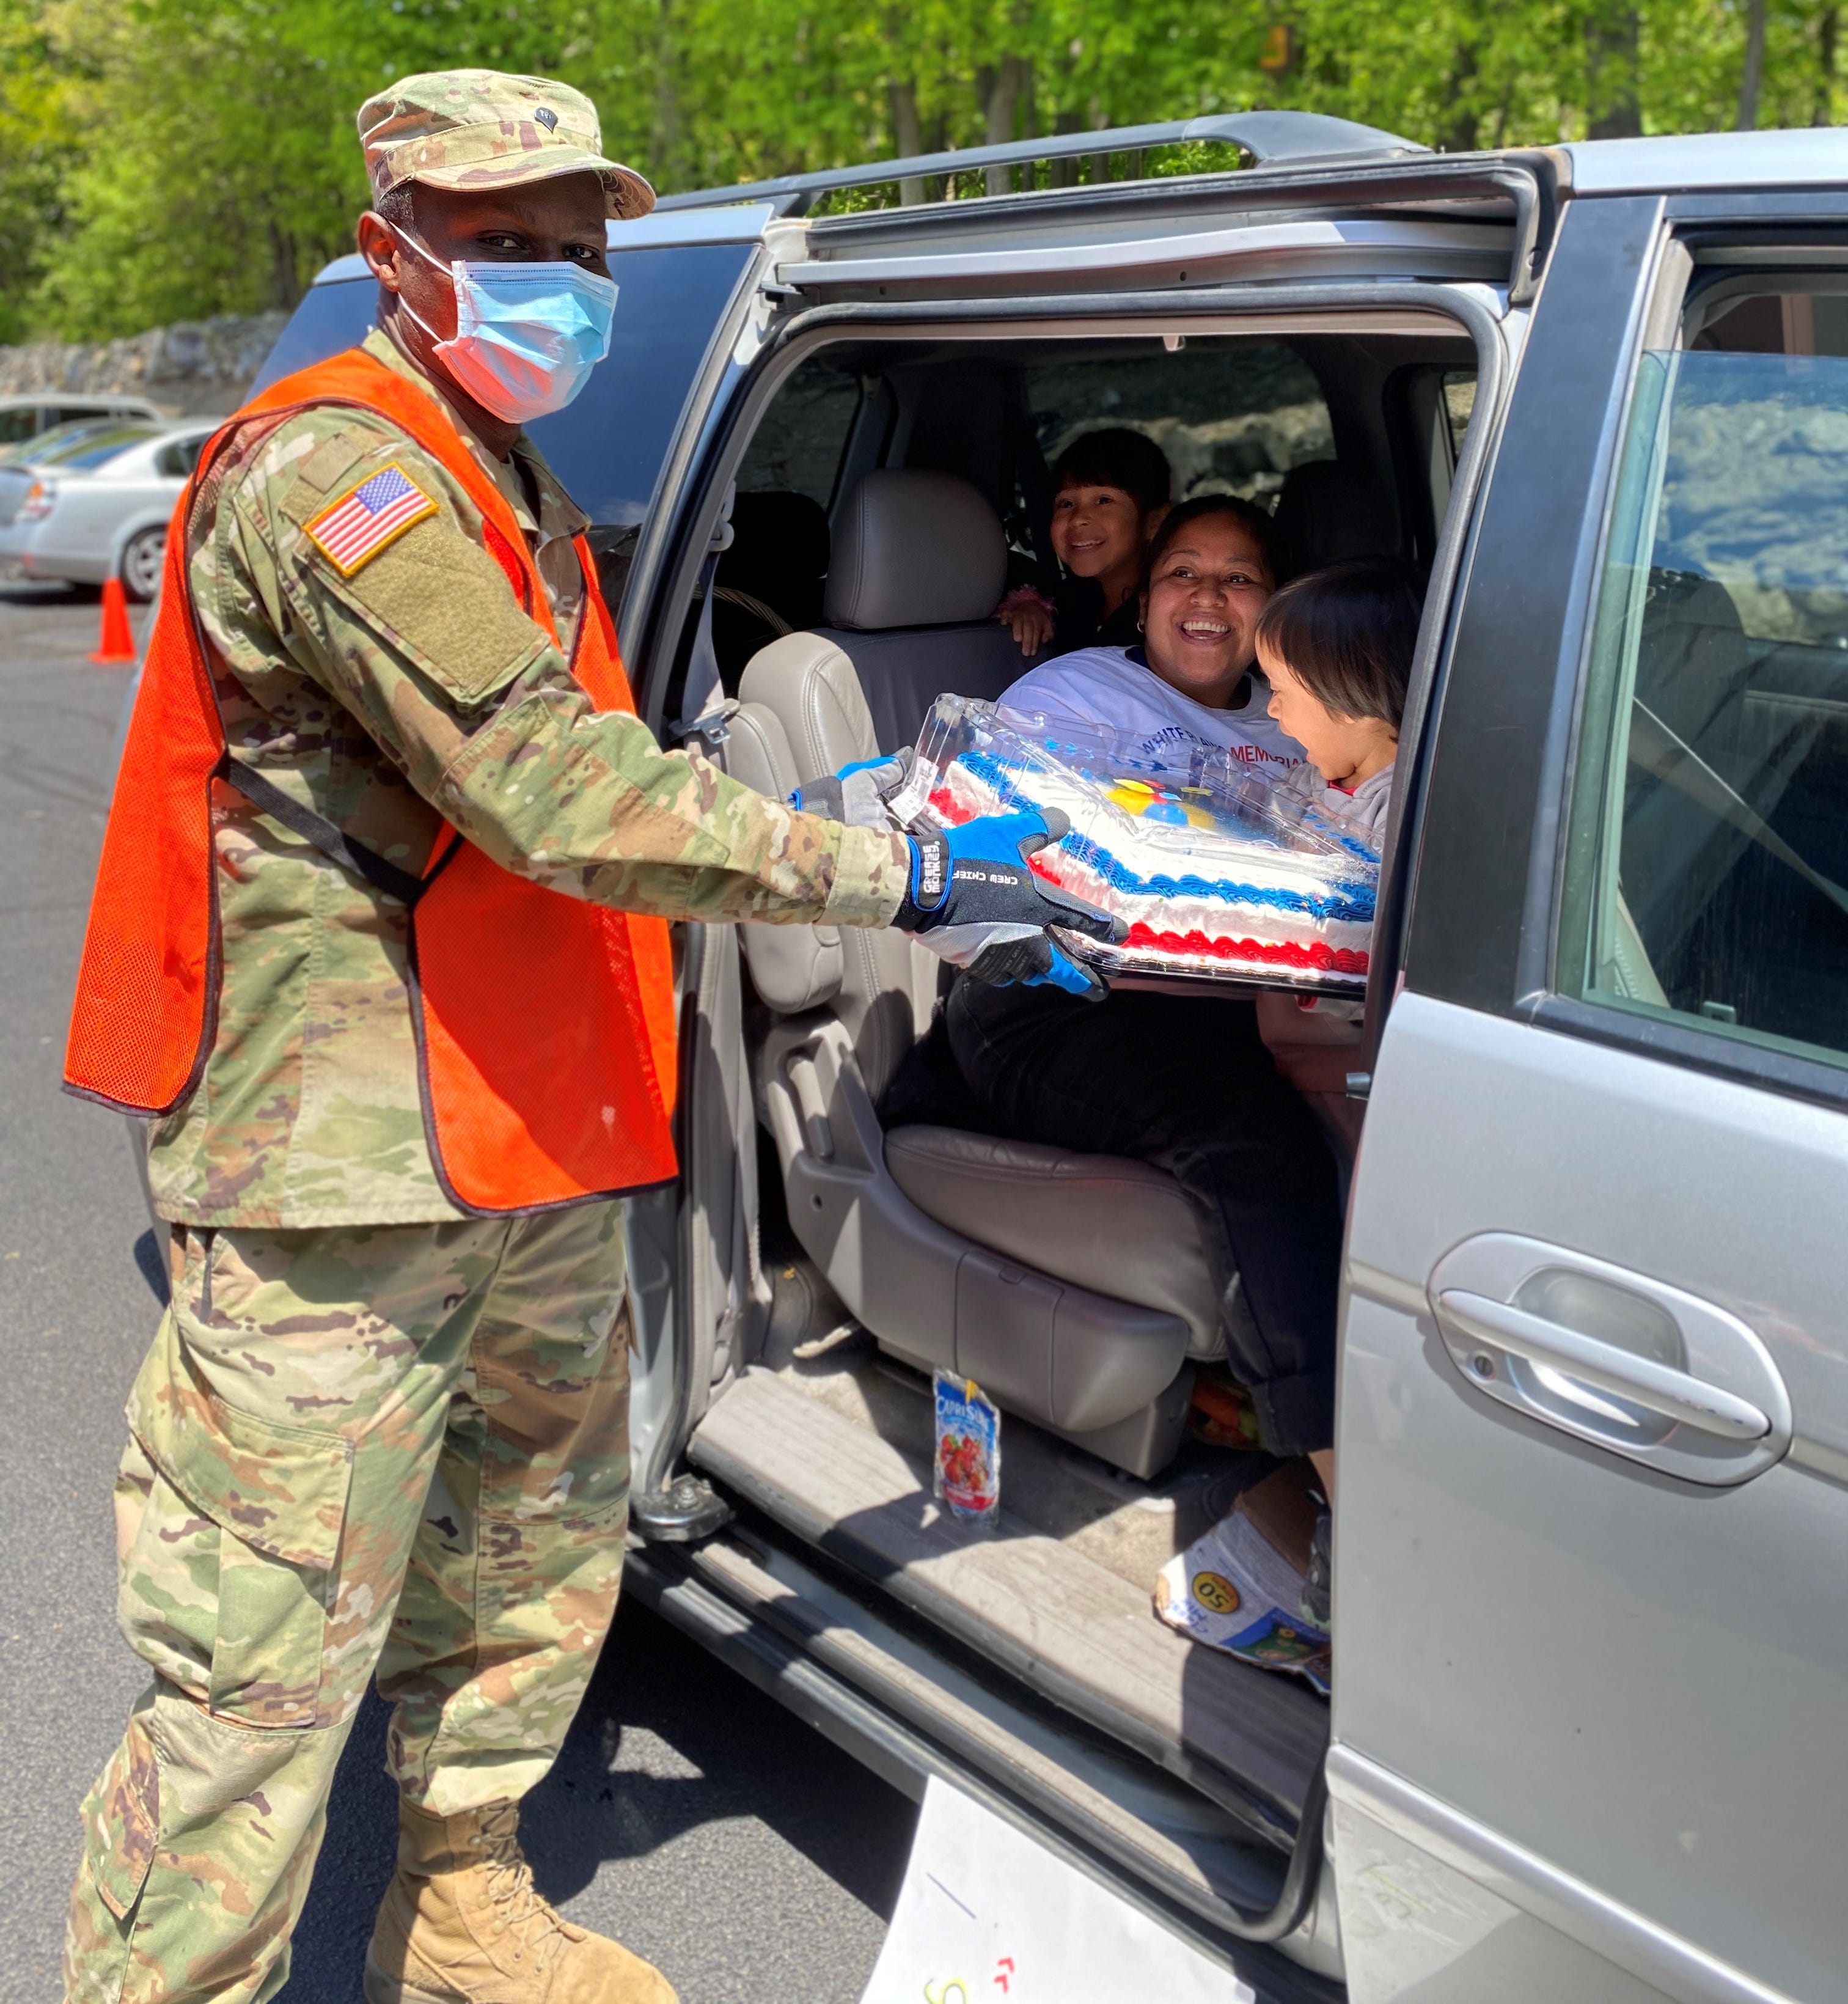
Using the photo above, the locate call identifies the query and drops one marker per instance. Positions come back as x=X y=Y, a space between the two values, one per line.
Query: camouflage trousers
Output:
x=402 y=1448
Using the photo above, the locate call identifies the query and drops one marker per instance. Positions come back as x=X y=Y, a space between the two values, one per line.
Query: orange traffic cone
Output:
x=118 y=643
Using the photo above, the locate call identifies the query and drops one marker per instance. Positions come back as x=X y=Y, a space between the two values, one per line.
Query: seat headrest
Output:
x=778 y=553
x=1327 y=513
x=915 y=548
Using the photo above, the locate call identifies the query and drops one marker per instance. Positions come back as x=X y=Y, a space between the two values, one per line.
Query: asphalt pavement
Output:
x=688 y=1813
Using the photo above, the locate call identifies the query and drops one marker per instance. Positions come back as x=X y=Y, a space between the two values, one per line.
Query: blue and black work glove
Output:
x=858 y=794
x=973 y=900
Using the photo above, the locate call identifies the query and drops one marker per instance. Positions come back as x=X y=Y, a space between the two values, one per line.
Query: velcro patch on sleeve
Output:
x=323 y=467
x=350 y=531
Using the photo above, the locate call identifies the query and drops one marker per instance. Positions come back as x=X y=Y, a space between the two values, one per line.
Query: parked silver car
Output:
x=24 y=419
x=60 y=443
x=98 y=507
x=67 y=444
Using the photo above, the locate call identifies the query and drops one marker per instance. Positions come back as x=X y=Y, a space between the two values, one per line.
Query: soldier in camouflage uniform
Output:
x=375 y=1432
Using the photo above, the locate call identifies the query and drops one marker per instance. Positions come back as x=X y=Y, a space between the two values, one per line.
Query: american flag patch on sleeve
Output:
x=360 y=523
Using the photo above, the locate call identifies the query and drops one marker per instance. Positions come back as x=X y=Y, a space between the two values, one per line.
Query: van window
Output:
x=1708 y=858
x=1459 y=406
x=1233 y=416
x=331 y=317
x=16 y=426
x=608 y=447
x=798 y=446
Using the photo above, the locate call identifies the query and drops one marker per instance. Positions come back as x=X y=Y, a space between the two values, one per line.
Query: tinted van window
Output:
x=1711 y=828
x=331 y=316
x=608 y=447
x=798 y=447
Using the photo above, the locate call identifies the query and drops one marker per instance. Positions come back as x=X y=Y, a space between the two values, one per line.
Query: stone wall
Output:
x=194 y=369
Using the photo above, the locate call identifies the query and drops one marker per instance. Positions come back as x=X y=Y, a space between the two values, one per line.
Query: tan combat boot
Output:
x=463 y=1923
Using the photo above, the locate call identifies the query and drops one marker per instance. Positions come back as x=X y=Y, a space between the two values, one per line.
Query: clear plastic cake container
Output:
x=1224 y=878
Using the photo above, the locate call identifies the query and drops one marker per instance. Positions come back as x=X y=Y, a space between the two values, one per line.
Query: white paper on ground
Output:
x=988 y=1916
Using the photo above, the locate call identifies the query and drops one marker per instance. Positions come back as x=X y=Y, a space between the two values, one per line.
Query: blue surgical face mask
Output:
x=527 y=336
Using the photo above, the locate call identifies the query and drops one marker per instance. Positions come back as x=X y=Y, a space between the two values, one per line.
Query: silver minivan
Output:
x=1588 y=1736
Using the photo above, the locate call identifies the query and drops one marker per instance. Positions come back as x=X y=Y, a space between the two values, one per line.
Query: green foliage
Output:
x=163 y=158
x=38 y=151
x=212 y=168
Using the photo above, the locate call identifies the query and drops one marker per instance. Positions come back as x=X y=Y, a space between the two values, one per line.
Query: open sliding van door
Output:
x=694 y=274
x=1593 y=1461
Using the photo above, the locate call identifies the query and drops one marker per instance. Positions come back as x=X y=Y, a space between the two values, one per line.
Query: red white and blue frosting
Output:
x=1200 y=892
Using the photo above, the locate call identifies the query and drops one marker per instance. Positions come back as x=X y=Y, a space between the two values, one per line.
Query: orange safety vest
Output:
x=545 y=1025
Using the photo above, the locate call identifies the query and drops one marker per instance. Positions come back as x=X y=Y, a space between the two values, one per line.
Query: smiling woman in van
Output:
x=1211 y=567
x=1185 y=1082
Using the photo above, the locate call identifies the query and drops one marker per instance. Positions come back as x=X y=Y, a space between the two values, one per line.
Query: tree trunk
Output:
x=907 y=130
x=285 y=287
x=1611 y=40
x=1826 y=31
x=1001 y=95
x=1501 y=119
x=1754 y=74
x=1065 y=172
x=665 y=140
x=1464 y=134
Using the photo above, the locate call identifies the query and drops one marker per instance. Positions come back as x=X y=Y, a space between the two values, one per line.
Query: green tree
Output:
x=216 y=176
x=161 y=158
x=39 y=147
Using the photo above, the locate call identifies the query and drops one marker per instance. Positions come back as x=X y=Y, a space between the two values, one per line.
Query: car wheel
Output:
x=142 y=562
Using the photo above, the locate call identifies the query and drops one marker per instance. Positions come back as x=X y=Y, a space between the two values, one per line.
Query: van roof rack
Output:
x=1267 y=136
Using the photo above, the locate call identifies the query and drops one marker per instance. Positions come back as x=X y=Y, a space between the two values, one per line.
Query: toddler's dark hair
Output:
x=1248 y=514
x=1348 y=634
x=1117 y=457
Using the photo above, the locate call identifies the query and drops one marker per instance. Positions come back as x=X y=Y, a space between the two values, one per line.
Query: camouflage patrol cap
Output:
x=480 y=128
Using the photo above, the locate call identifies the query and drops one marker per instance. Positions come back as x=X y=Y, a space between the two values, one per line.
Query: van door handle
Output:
x=1625 y=1361
x=1688 y=1401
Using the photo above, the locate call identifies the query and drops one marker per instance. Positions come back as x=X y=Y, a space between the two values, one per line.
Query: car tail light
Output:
x=41 y=498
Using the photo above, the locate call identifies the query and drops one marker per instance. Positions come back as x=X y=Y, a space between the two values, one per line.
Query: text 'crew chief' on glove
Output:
x=378 y=940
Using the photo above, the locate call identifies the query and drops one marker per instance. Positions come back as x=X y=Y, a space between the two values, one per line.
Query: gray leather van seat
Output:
x=1114 y=1225
x=1074 y=1287
x=919 y=564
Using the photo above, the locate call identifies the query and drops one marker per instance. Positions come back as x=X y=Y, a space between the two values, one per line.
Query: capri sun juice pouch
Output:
x=967 y=1463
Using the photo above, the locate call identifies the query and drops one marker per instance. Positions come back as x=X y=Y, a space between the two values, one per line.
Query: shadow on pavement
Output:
x=31 y=591
x=355 y=1866
x=657 y=1701
x=752 y=1759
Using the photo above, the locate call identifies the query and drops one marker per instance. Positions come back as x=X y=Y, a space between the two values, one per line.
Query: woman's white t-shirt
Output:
x=1108 y=686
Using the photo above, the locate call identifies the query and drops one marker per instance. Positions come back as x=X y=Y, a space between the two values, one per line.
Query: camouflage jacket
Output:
x=411 y=691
